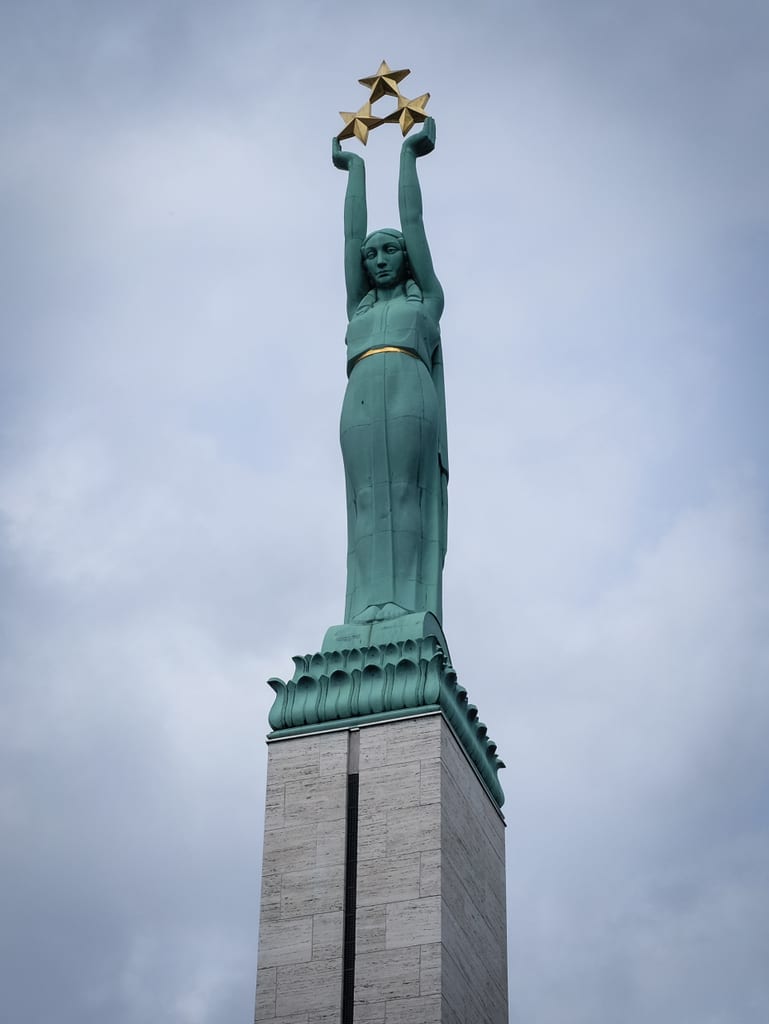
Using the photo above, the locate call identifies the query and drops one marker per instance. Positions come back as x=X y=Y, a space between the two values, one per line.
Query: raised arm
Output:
x=354 y=223
x=412 y=226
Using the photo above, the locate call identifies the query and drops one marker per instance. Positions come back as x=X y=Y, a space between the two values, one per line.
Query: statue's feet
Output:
x=379 y=613
x=391 y=611
x=367 y=616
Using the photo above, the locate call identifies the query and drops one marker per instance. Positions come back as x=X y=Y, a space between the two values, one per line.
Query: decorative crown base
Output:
x=340 y=687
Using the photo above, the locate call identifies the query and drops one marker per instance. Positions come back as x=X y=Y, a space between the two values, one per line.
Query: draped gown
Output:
x=393 y=437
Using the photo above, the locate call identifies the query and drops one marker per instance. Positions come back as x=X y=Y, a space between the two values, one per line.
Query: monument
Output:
x=383 y=877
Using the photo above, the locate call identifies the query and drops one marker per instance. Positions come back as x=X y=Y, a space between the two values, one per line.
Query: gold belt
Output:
x=385 y=348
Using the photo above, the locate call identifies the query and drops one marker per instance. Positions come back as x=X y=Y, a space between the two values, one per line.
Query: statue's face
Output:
x=384 y=260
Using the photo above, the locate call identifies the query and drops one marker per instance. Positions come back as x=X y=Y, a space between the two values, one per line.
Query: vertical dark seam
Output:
x=350 y=883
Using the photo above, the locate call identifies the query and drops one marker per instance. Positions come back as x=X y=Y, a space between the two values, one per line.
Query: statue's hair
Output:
x=392 y=232
x=413 y=291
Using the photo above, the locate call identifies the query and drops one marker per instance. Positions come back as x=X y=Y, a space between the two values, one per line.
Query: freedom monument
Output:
x=383 y=876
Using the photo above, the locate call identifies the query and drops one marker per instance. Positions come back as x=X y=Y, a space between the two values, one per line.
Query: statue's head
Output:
x=385 y=259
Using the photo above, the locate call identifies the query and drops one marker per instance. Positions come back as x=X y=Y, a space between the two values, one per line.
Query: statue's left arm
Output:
x=412 y=225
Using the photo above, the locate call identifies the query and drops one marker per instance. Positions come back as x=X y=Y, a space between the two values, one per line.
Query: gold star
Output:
x=384 y=82
x=358 y=123
x=408 y=112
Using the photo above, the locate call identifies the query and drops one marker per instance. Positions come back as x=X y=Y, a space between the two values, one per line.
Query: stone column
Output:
x=427 y=909
x=299 y=976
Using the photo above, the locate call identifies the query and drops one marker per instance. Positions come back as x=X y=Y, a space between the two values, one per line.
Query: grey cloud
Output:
x=171 y=495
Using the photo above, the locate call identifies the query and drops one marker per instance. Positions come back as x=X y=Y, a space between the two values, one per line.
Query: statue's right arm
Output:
x=412 y=224
x=355 y=218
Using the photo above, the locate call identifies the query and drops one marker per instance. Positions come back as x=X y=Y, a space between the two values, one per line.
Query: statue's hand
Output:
x=423 y=142
x=343 y=158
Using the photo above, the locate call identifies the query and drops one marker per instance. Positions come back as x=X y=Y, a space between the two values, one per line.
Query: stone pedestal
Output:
x=383 y=885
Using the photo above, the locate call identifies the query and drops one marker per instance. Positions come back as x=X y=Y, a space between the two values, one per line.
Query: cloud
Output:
x=172 y=500
x=641 y=828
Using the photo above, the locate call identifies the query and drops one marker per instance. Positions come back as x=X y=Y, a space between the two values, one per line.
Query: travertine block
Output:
x=294 y=759
x=313 y=800
x=476 y=961
x=317 y=986
x=274 y=804
x=413 y=922
x=372 y=835
x=449 y=1015
x=430 y=969
x=285 y=942
x=388 y=879
x=387 y=974
x=409 y=738
x=370 y=929
x=270 y=905
x=330 y=842
x=430 y=780
x=332 y=755
x=373 y=748
x=266 y=989
x=390 y=787
x=430 y=873
x=370 y=1013
x=312 y=891
x=414 y=829
x=293 y=846
x=327 y=935
x=455 y=987
x=416 y=1010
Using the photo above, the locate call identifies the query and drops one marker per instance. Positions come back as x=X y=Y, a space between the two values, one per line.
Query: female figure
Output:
x=393 y=427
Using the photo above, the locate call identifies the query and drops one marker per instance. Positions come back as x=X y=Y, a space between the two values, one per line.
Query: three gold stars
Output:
x=384 y=83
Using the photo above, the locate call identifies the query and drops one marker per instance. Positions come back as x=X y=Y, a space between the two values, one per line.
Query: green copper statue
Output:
x=393 y=426
x=389 y=659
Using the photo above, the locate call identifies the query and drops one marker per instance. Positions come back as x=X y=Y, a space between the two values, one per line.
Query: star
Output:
x=358 y=123
x=408 y=112
x=384 y=82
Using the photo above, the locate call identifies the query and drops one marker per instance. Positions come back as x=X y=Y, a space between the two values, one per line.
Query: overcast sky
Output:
x=172 y=517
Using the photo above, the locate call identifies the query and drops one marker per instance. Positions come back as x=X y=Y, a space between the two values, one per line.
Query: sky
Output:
x=172 y=516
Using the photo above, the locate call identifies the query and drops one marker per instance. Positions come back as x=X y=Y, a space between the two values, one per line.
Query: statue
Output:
x=389 y=659
x=393 y=424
